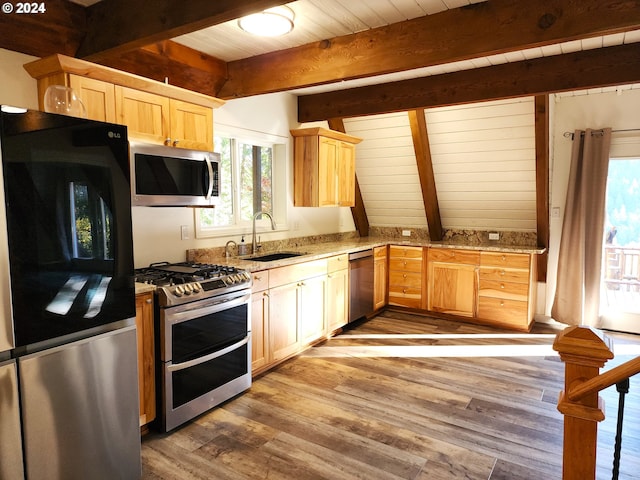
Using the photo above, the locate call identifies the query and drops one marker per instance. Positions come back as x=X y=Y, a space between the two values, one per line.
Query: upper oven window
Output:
x=205 y=334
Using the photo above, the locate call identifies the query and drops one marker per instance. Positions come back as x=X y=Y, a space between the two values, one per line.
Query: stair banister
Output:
x=584 y=351
x=605 y=380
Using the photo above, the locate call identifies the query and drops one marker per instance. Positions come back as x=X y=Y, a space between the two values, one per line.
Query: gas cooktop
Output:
x=184 y=282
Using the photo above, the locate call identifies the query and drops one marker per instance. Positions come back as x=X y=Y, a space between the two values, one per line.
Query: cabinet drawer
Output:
x=380 y=253
x=397 y=251
x=504 y=275
x=508 y=260
x=260 y=281
x=502 y=310
x=339 y=262
x=405 y=279
x=295 y=273
x=504 y=290
x=405 y=296
x=450 y=255
x=405 y=265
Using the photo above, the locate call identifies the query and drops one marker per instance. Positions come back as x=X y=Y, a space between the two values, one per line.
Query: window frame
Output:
x=279 y=173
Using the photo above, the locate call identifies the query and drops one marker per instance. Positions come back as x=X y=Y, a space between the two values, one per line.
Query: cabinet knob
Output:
x=257 y=278
x=148 y=300
x=502 y=272
x=404 y=275
x=502 y=285
x=502 y=304
x=265 y=294
x=167 y=141
x=504 y=258
x=175 y=143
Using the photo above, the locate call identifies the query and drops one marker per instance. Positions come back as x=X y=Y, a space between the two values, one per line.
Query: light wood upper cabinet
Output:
x=191 y=126
x=146 y=115
x=154 y=112
x=97 y=96
x=324 y=168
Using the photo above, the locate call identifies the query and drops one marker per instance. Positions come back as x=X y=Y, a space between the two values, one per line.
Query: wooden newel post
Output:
x=584 y=351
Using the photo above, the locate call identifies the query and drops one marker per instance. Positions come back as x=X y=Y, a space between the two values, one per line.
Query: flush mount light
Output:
x=272 y=22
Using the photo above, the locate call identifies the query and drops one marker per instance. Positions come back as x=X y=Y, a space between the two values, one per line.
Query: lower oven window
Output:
x=192 y=382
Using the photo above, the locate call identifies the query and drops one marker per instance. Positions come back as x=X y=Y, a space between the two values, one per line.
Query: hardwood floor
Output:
x=398 y=398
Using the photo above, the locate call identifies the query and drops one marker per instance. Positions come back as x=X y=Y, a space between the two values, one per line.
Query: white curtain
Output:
x=577 y=298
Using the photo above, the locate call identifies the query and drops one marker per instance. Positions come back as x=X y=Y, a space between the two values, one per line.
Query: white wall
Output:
x=18 y=88
x=618 y=111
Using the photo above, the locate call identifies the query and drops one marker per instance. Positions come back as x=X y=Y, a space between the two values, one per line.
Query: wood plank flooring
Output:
x=398 y=398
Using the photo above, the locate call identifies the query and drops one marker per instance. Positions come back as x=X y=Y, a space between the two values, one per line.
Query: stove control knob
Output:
x=188 y=289
x=231 y=280
x=178 y=291
x=196 y=287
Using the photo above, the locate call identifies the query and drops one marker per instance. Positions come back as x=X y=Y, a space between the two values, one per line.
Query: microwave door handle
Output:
x=210 y=171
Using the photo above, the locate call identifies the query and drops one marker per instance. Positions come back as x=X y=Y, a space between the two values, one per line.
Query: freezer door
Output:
x=80 y=409
x=11 y=465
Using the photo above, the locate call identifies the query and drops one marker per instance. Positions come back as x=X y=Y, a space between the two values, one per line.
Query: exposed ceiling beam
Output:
x=117 y=26
x=477 y=30
x=542 y=180
x=586 y=69
x=58 y=30
x=418 y=123
x=178 y=65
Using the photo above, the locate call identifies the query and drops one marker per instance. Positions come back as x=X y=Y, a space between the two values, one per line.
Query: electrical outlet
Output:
x=494 y=236
x=406 y=233
x=555 y=212
x=184 y=232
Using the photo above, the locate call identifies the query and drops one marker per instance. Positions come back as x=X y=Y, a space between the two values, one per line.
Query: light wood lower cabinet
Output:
x=259 y=320
x=288 y=311
x=507 y=289
x=337 y=292
x=452 y=278
x=146 y=357
x=406 y=279
x=379 y=277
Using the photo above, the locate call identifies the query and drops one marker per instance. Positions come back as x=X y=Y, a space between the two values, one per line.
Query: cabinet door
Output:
x=337 y=299
x=452 y=288
x=259 y=330
x=284 y=338
x=379 y=277
x=191 y=126
x=98 y=97
x=347 y=175
x=145 y=114
x=327 y=172
x=312 y=309
x=146 y=357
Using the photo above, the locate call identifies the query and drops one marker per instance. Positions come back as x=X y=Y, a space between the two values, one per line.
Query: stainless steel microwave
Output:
x=164 y=176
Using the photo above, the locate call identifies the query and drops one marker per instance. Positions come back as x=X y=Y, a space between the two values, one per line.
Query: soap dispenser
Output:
x=242 y=248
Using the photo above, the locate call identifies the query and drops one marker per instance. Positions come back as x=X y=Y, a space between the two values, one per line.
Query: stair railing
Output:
x=585 y=350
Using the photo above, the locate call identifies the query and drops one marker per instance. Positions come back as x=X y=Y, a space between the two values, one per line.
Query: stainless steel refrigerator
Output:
x=68 y=363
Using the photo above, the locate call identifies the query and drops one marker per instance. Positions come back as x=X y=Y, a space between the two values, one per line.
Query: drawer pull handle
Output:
x=404 y=275
x=502 y=304
x=502 y=285
x=502 y=272
x=257 y=278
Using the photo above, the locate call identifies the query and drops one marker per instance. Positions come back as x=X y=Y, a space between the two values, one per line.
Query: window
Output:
x=249 y=175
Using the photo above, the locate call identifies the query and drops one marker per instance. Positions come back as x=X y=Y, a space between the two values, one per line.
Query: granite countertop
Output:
x=328 y=249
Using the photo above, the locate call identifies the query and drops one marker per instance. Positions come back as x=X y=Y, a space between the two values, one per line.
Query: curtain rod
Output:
x=570 y=134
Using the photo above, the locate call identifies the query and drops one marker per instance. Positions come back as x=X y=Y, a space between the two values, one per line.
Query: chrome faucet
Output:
x=253 y=230
x=226 y=248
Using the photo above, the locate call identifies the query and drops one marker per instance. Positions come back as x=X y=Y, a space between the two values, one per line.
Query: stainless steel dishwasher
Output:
x=360 y=284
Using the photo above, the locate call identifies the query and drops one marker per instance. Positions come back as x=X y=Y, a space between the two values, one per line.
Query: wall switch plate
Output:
x=184 y=232
x=555 y=212
x=494 y=236
x=406 y=233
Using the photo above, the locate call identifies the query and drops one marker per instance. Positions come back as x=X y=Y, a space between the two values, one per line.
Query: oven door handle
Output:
x=184 y=313
x=211 y=356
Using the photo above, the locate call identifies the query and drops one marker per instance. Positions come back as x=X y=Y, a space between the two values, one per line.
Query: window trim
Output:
x=280 y=146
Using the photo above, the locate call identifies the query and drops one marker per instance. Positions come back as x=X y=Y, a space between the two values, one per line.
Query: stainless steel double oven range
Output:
x=203 y=337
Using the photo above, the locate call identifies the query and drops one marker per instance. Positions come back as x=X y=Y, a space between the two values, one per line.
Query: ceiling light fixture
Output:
x=272 y=22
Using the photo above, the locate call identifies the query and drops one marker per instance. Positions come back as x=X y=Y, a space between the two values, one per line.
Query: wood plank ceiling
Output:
x=363 y=57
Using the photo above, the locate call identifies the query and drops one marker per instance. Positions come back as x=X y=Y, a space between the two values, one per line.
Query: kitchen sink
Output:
x=274 y=256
